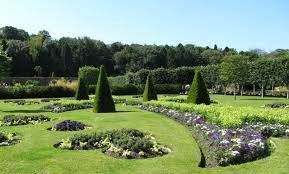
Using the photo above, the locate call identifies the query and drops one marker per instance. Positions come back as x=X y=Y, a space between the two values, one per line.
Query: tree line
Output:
x=40 y=55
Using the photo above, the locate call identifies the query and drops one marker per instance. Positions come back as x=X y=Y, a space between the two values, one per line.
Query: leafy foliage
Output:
x=103 y=101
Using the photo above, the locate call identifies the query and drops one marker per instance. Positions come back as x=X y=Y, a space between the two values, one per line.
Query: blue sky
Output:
x=241 y=24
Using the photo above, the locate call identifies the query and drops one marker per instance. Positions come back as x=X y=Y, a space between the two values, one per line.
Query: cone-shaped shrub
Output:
x=198 y=91
x=149 y=91
x=103 y=101
x=82 y=90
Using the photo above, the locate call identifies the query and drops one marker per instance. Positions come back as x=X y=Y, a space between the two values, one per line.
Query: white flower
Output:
x=235 y=152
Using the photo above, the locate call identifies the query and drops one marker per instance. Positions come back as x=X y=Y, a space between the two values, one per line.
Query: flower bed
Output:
x=8 y=139
x=13 y=120
x=49 y=99
x=68 y=106
x=229 y=116
x=277 y=105
x=68 y=125
x=22 y=102
x=122 y=143
x=220 y=146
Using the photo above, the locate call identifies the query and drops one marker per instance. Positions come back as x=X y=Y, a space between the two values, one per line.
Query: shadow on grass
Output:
x=125 y=111
x=259 y=99
x=24 y=111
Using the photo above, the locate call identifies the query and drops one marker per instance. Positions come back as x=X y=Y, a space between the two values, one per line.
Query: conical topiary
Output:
x=103 y=101
x=198 y=91
x=149 y=91
x=82 y=90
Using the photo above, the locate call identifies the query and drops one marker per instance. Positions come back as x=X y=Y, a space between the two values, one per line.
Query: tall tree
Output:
x=234 y=70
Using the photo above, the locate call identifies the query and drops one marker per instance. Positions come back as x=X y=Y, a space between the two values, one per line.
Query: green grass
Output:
x=36 y=154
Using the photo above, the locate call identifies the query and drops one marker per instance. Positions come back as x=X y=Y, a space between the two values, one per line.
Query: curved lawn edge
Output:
x=219 y=147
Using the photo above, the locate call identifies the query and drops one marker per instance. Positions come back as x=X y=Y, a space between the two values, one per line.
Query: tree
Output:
x=4 y=45
x=66 y=55
x=4 y=64
x=234 y=70
x=261 y=72
x=21 y=61
x=12 y=33
x=103 y=101
x=149 y=91
x=82 y=90
x=198 y=93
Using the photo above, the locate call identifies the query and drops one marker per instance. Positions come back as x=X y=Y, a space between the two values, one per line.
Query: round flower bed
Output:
x=122 y=143
x=9 y=139
x=68 y=125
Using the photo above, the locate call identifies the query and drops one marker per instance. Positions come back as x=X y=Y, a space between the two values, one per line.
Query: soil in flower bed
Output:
x=122 y=143
x=9 y=139
x=14 y=120
x=68 y=125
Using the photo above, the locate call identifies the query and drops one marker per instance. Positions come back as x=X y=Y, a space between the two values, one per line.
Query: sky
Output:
x=240 y=24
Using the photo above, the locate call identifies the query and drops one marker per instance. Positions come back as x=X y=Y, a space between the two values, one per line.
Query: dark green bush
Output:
x=118 y=80
x=168 y=88
x=103 y=101
x=181 y=75
x=82 y=90
x=162 y=76
x=198 y=91
x=149 y=91
x=89 y=74
x=35 y=92
x=124 y=90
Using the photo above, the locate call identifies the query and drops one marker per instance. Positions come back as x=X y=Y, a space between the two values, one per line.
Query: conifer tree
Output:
x=198 y=93
x=149 y=91
x=103 y=101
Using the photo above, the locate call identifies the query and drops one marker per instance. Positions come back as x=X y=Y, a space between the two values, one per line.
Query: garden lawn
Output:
x=36 y=154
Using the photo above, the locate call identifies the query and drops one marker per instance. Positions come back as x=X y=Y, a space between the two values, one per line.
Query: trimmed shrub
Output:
x=118 y=80
x=198 y=91
x=162 y=76
x=89 y=74
x=35 y=92
x=82 y=90
x=103 y=101
x=149 y=91
x=183 y=75
x=168 y=88
x=128 y=89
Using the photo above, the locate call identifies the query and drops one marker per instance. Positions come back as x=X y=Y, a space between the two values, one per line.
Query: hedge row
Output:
x=36 y=92
x=181 y=75
x=130 y=89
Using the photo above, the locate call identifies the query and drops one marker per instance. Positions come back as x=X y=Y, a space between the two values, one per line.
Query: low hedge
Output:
x=130 y=89
x=36 y=92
